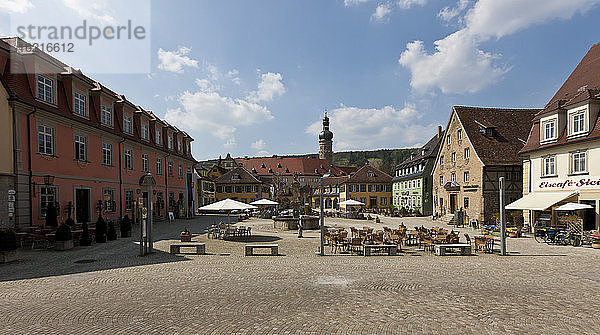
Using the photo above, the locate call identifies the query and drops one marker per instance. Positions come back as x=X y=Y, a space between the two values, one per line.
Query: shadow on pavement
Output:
x=121 y=253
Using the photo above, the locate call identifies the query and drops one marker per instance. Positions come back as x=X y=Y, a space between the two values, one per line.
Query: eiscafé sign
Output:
x=571 y=184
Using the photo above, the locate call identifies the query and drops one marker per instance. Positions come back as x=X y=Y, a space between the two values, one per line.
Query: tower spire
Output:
x=326 y=141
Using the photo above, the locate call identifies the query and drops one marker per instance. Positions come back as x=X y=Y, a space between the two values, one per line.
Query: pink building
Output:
x=81 y=146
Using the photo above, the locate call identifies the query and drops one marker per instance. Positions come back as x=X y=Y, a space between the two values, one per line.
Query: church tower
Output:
x=326 y=142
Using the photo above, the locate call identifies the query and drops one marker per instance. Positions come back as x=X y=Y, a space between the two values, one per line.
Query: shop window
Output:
x=109 y=200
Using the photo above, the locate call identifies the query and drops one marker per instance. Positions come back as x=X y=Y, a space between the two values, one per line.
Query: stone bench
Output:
x=200 y=247
x=440 y=249
x=391 y=249
x=250 y=248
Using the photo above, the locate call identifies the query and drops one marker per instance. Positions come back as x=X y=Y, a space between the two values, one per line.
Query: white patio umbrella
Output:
x=227 y=205
x=264 y=202
x=573 y=206
x=350 y=202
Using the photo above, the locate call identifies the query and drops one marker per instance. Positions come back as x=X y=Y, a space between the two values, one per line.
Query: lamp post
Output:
x=322 y=212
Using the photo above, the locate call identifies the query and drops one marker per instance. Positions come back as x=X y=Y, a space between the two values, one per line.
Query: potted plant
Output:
x=100 y=230
x=111 y=233
x=8 y=246
x=126 y=226
x=64 y=238
x=185 y=236
x=85 y=240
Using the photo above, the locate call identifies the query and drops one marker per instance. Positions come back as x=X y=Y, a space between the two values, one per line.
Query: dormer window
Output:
x=45 y=89
x=145 y=133
x=158 y=133
x=577 y=120
x=170 y=142
x=127 y=123
x=179 y=146
x=79 y=103
x=106 y=115
x=549 y=129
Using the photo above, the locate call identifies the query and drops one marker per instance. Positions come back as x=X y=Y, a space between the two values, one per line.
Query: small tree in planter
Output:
x=85 y=240
x=111 y=233
x=8 y=246
x=100 y=230
x=126 y=226
x=51 y=216
x=64 y=238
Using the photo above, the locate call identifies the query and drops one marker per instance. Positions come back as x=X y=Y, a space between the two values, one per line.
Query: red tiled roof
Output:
x=369 y=174
x=245 y=177
x=265 y=166
x=582 y=85
x=584 y=81
x=511 y=127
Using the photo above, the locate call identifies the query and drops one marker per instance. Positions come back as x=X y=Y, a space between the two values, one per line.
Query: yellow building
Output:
x=368 y=185
x=7 y=175
x=239 y=184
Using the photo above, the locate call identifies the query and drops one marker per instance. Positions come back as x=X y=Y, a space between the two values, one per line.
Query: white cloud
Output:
x=500 y=18
x=97 y=10
x=233 y=75
x=209 y=112
x=270 y=86
x=208 y=85
x=447 y=13
x=262 y=153
x=409 y=3
x=15 y=6
x=174 y=61
x=348 y=3
x=381 y=13
x=231 y=143
x=368 y=128
x=259 y=144
x=458 y=64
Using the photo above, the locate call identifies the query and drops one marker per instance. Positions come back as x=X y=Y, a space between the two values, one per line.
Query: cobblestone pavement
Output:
x=538 y=289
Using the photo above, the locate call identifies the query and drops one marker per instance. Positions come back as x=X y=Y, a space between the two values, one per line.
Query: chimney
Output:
x=440 y=132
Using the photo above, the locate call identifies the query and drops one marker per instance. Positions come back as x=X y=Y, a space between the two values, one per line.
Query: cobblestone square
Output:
x=108 y=289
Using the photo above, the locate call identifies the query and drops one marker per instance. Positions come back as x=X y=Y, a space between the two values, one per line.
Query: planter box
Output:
x=186 y=238
x=63 y=245
x=8 y=256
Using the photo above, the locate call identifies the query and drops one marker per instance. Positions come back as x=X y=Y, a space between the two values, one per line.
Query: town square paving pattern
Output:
x=538 y=289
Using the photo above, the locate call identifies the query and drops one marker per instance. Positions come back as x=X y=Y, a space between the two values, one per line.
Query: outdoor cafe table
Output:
x=412 y=237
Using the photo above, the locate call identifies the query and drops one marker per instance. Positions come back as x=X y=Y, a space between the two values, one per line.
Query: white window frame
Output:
x=80 y=103
x=128 y=123
x=145 y=131
x=459 y=134
x=467 y=153
x=48 y=84
x=466 y=176
x=158 y=166
x=158 y=135
x=170 y=141
x=453 y=176
x=80 y=147
x=582 y=123
x=547 y=125
x=107 y=154
x=44 y=195
x=107 y=115
x=128 y=158
x=549 y=166
x=145 y=163
x=454 y=157
x=111 y=193
x=581 y=167
x=46 y=132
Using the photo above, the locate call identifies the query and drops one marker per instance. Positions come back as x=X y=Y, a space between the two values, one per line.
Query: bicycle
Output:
x=564 y=237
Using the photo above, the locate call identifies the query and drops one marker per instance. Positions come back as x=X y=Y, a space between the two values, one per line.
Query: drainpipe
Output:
x=29 y=164
x=166 y=172
x=120 y=181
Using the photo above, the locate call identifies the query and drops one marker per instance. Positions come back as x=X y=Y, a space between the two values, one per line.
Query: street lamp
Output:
x=321 y=215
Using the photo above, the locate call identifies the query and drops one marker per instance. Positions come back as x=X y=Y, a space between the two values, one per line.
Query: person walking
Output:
x=300 y=226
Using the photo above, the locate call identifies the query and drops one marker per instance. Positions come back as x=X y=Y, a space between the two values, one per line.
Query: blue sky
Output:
x=254 y=77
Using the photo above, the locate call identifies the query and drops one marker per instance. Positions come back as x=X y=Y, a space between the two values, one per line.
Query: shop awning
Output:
x=539 y=201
